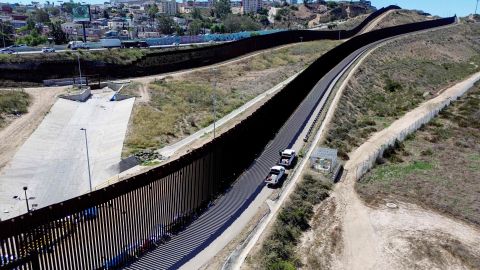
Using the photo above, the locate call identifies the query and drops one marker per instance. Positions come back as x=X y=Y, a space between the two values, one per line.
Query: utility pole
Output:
x=88 y=158
x=26 y=198
x=476 y=8
x=213 y=102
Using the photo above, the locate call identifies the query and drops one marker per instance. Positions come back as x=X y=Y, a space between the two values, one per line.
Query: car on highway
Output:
x=175 y=44
x=287 y=158
x=48 y=50
x=275 y=175
x=6 y=51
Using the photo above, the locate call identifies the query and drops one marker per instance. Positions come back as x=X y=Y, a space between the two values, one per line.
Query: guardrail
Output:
x=116 y=224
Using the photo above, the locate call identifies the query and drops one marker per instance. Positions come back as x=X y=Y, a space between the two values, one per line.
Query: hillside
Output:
x=403 y=16
x=394 y=79
x=314 y=14
x=400 y=75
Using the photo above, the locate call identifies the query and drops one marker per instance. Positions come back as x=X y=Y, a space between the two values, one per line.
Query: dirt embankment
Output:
x=17 y=131
x=396 y=234
x=403 y=16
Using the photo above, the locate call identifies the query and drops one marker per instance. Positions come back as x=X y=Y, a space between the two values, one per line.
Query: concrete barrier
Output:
x=82 y=97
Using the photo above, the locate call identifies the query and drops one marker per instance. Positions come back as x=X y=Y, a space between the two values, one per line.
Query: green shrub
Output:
x=392 y=86
x=293 y=219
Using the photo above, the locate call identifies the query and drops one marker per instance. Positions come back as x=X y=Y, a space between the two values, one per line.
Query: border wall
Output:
x=87 y=231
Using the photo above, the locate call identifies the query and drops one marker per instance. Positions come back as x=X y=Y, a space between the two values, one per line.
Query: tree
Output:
x=166 y=24
x=179 y=30
x=235 y=23
x=152 y=11
x=33 y=39
x=195 y=27
x=262 y=11
x=196 y=14
x=41 y=16
x=59 y=37
x=54 y=11
x=6 y=33
x=222 y=8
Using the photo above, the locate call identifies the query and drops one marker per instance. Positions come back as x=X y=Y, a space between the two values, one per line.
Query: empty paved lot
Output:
x=52 y=162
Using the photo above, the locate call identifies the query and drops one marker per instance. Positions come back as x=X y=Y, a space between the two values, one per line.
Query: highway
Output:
x=214 y=221
x=39 y=50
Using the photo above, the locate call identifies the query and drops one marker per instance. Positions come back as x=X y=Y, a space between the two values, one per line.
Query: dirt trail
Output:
x=371 y=26
x=17 y=132
x=391 y=238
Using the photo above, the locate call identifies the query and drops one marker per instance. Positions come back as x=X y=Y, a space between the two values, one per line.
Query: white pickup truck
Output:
x=287 y=157
x=276 y=173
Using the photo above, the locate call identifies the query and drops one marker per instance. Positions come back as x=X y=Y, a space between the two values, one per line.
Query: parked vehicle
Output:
x=75 y=45
x=6 y=51
x=48 y=50
x=275 y=175
x=287 y=158
x=111 y=43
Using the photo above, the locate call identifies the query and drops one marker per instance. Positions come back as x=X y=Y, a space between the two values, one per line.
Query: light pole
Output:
x=26 y=198
x=88 y=158
x=79 y=70
x=213 y=98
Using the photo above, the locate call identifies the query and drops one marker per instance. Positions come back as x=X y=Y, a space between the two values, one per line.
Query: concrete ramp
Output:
x=52 y=162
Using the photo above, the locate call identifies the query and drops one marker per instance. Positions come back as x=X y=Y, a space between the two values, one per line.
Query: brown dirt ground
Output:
x=447 y=175
x=17 y=132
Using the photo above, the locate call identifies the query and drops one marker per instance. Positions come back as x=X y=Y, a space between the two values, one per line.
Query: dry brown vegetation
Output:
x=438 y=167
x=12 y=104
x=440 y=250
x=397 y=77
x=180 y=105
x=402 y=16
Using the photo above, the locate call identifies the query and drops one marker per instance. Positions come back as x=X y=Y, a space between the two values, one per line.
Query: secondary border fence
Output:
x=156 y=62
x=110 y=227
x=422 y=118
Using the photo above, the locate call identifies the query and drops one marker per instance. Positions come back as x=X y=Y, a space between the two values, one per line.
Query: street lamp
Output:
x=26 y=198
x=88 y=158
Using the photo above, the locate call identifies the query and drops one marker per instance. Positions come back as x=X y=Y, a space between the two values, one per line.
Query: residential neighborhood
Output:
x=51 y=23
